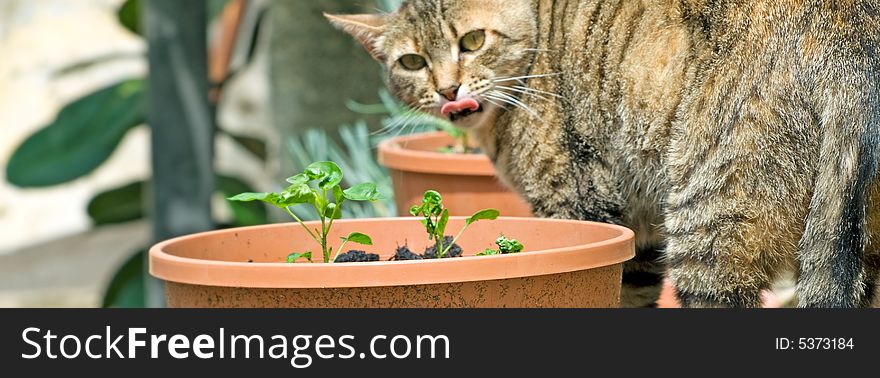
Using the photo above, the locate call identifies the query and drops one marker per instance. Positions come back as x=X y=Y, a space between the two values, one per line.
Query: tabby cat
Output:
x=738 y=138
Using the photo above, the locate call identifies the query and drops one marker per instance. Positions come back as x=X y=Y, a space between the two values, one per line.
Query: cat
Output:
x=738 y=139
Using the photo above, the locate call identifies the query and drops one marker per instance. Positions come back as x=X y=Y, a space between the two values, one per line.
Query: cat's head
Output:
x=449 y=57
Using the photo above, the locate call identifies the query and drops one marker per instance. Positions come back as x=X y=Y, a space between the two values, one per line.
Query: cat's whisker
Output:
x=489 y=100
x=538 y=91
x=525 y=92
x=503 y=104
x=399 y=120
x=513 y=101
x=512 y=104
x=503 y=79
x=392 y=123
x=413 y=120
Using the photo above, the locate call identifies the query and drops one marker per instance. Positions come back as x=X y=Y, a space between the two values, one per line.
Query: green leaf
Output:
x=415 y=210
x=294 y=256
x=357 y=237
x=506 y=245
x=365 y=191
x=432 y=197
x=297 y=194
x=338 y=194
x=298 y=179
x=126 y=288
x=117 y=205
x=250 y=196
x=485 y=214
x=84 y=134
x=329 y=211
x=327 y=173
x=128 y=16
x=243 y=214
x=441 y=224
x=488 y=252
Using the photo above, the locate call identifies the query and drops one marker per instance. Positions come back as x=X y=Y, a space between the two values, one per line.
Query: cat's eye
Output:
x=413 y=62
x=472 y=41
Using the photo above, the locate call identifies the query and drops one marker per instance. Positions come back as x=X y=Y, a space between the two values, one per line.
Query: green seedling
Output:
x=505 y=246
x=319 y=186
x=436 y=217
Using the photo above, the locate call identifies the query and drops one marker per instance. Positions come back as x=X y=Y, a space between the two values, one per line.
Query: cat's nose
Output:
x=449 y=92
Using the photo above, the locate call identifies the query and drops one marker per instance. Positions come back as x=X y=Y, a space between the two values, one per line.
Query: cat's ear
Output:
x=365 y=28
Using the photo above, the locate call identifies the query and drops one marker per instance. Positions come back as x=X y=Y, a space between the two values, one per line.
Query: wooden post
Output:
x=182 y=122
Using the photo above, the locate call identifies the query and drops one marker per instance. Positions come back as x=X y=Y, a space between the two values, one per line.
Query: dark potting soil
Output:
x=404 y=253
x=431 y=251
x=356 y=256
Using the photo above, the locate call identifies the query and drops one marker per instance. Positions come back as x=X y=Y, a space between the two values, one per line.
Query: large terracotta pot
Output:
x=565 y=264
x=467 y=181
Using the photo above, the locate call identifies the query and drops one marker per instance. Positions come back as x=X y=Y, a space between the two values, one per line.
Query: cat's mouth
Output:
x=459 y=109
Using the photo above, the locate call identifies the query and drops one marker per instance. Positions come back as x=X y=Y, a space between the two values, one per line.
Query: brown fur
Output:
x=737 y=138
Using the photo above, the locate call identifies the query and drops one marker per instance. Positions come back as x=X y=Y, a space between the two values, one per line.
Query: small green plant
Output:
x=436 y=217
x=505 y=246
x=318 y=185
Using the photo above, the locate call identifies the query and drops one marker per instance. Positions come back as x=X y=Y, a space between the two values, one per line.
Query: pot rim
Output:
x=607 y=252
x=394 y=154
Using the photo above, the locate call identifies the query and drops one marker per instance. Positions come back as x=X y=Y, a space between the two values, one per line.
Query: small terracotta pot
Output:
x=467 y=182
x=565 y=264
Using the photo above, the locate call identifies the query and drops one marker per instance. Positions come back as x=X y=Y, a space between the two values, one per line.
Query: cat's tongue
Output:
x=459 y=106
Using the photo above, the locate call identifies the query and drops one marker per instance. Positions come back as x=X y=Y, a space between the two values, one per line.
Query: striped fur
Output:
x=737 y=138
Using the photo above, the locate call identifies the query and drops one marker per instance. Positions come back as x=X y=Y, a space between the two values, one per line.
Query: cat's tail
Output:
x=832 y=249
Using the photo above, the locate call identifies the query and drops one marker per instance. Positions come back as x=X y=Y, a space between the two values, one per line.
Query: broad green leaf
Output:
x=282 y=200
x=249 y=196
x=357 y=237
x=327 y=173
x=415 y=210
x=128 y=16
x=488 y=252
x=126 y=288
x=83 y=135
x=441 y=223
x=294 y=256
x=296 y=194
x=117 y=205
x=365 y=191
x=298 y=179
x=485 y=214
x=243 y=214
x=338 y=195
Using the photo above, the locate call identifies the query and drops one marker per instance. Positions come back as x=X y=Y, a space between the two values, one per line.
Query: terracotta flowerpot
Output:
x=565 y=264
x=467 y=181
